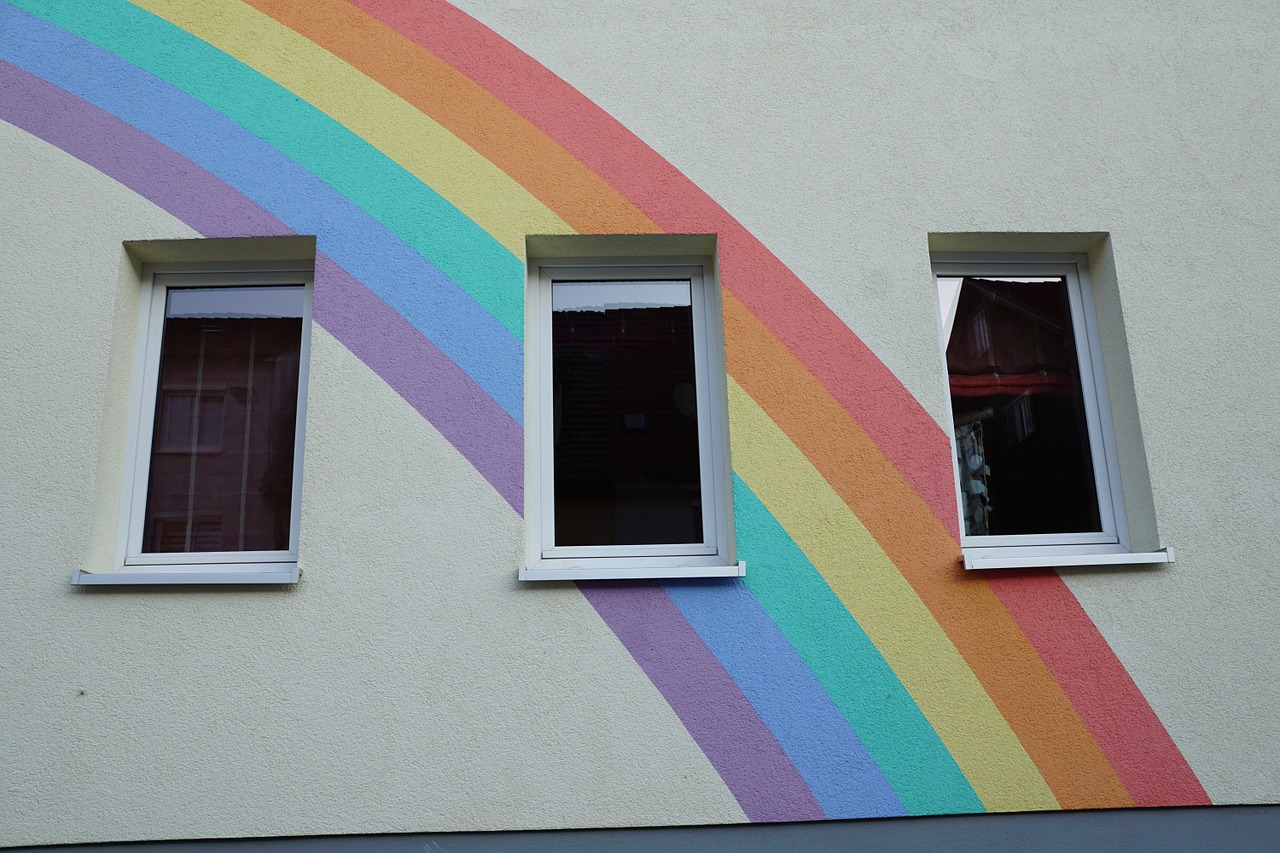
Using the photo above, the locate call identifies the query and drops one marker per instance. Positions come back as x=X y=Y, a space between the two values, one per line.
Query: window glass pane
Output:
x=627 y=466
x=221 y=476
x=175 y=430
x=1022 y=438
x=245 y=302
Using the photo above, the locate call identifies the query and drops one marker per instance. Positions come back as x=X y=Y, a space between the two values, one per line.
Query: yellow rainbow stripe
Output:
x=486 y=194
x=887 y=608
x=941 y=642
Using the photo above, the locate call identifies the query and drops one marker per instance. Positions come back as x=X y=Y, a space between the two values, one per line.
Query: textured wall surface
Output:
x=409 y=683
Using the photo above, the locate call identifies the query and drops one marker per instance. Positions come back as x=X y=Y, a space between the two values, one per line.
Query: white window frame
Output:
x=714 y=557
x=1110 y=545
x=133 y=565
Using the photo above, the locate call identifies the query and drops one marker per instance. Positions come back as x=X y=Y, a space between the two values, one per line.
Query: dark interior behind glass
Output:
x=627 y=466
x=1022 y=438
x=221 y=476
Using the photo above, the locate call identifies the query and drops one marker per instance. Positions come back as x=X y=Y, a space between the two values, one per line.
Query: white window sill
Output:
x=275 y=573
x=637 y=571
x=978 y=558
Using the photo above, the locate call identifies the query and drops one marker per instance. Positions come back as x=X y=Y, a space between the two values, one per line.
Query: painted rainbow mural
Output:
x=856 y=671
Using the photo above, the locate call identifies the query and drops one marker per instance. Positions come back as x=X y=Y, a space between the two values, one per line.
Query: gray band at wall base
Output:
x=1223 y=829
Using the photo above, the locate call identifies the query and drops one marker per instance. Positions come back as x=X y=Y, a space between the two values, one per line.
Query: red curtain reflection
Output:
x=1012 y=338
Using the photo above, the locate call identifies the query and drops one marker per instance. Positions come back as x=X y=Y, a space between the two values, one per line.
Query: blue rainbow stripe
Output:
x=429 y=299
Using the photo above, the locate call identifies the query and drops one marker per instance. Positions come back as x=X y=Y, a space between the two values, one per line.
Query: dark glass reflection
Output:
x=626 y=420
x=1022 y=441
x=226 y=410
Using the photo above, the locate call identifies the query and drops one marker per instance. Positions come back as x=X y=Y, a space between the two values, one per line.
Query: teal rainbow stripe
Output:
x=775 y=678
x=848 y=666
x=417 y=251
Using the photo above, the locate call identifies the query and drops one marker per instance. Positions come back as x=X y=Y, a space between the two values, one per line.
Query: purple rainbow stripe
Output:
x=417 y=370
x=424 y=376
x=708 y=701
x=782 y=688
x=379 y=258
x=717 y=644
x=128 y=155
x=724 y=723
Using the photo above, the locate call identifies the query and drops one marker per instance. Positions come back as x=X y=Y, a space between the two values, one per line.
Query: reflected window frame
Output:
x=146 y=396
x=714 y=556
x=1112 y=538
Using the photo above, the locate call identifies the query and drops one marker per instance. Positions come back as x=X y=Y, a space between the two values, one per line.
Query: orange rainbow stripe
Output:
x=1022 y=690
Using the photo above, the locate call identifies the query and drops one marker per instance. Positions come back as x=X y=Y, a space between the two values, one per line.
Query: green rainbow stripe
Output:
x=860 y=576
x=848 y=665
x=907 y=650
x=410 y=208
x=464 y=255
x=480 y=191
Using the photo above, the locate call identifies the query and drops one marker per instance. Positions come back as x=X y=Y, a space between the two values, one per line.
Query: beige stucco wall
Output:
x=842 y=140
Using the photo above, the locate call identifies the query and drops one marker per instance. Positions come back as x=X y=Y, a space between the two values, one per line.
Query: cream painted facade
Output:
x=408 y=682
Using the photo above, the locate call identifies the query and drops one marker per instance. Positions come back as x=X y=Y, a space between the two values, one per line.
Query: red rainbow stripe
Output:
x=1036 y=700
x=1036 y=652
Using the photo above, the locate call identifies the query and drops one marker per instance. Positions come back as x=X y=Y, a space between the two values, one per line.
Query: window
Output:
x=627 y=431
x=1036 y=470
x=214 y=490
